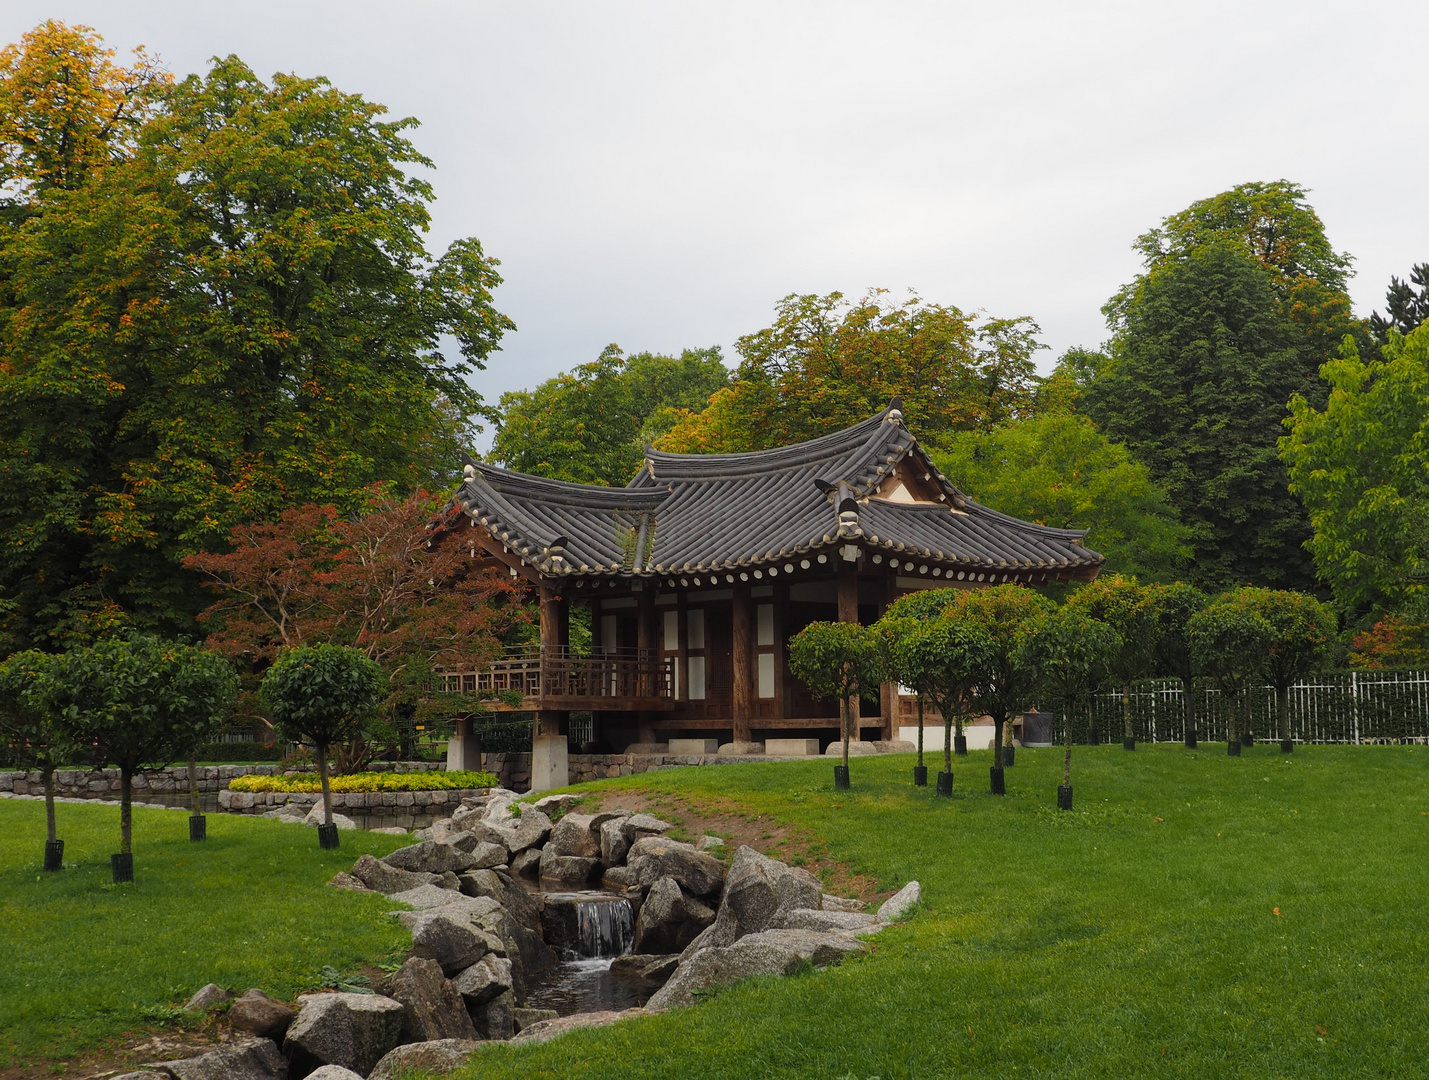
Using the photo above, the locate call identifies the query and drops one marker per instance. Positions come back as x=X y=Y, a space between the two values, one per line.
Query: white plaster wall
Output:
x=979 y=736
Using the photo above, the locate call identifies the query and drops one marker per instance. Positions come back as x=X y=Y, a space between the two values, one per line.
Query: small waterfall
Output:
x=607 y=928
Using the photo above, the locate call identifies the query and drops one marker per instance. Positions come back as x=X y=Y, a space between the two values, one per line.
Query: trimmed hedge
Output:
x=240 y=751
x=308 y=783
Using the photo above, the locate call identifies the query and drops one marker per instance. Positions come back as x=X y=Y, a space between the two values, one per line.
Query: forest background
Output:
x=224 y=346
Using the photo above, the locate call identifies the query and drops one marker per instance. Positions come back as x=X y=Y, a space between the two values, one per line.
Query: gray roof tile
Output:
x=724 y=510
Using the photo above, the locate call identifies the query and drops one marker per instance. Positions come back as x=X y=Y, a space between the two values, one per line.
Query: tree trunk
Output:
x=947 y=743
x=1188 y=700
x=1067 y=752
x=920 y=730
x=49 y=775
x=126 y=810
x=1231 y=735
x=1282 y=707
x=845 y=736
x=193 y=786
x=322 y=778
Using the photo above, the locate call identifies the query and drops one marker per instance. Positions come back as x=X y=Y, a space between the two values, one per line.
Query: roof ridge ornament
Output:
x=895 y=410
x=555 y=552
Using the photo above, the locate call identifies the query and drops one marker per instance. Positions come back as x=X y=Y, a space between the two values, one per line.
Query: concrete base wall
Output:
x=463 y=754
x=550 y=767
x=979 y=736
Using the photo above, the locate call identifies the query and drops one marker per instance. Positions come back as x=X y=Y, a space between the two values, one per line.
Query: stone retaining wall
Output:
x=352 y=803
x=173 y=780
x=514 y=770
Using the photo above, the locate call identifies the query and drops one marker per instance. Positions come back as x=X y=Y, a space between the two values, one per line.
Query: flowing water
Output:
x=607 y=928
x=593 y=929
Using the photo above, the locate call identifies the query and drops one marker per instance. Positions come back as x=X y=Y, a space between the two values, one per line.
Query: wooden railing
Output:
x=545 y=673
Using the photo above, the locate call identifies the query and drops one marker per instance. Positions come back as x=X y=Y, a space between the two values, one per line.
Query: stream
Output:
x=588 y=930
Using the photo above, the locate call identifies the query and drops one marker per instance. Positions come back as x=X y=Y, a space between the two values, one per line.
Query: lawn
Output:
x=84 y=960
x=1195 y=916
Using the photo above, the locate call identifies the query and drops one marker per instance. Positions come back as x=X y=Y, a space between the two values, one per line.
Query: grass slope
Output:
x=84 y=960
x=1135 y=937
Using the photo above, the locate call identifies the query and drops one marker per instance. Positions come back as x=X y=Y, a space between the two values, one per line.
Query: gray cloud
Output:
x=660 y=174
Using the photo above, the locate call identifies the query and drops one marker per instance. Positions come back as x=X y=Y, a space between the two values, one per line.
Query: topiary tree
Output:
x=205 y=684
x=839 y=660
x=944 y=659
x=1228 y=641
x=1123 y=605
x=902 y=619
x=139 y=701
x=1171 y=609
x=1302 y=634
x=1009 y=684
x=32 y=728
x=1070 y=653
x=321 y=694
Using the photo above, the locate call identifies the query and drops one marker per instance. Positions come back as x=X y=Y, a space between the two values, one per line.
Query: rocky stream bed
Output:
x=524 y=927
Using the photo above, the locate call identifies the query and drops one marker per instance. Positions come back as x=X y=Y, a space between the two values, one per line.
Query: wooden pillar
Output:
x=848 y=613
x=555 y=618
x=783 y=680
x=555 y=635
x=742 y=660
x=888 y=693
x=647 y=640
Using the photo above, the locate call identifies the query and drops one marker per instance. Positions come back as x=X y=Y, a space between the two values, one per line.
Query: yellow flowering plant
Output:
x=308 y=783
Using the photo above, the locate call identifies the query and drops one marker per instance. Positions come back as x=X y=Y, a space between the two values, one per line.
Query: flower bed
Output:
x=308 y=783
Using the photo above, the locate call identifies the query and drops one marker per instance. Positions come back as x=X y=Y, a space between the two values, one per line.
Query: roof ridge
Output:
x=660 y=464
x=615 y=498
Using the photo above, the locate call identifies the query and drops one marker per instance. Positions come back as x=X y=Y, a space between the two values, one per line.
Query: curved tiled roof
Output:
x=687 y=513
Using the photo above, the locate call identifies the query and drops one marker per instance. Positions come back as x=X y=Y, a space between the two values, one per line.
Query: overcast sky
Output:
x=659 y=174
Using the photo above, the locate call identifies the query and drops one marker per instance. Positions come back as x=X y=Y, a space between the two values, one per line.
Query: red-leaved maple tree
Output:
x=398 y=582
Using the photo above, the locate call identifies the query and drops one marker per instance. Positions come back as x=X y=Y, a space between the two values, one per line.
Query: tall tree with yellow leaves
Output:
x=215 y=302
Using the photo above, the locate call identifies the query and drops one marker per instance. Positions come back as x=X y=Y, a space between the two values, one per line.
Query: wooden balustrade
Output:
x=554 y=678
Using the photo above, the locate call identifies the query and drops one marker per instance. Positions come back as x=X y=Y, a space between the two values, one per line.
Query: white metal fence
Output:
x=1333 y=707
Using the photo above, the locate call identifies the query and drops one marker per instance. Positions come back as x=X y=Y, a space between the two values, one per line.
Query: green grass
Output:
x=1097 y=943
x=82 y=960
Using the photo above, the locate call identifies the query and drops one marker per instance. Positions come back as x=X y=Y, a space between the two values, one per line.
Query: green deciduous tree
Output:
x=1059 y=470
x=1069 y=653
x=1171 y=609
x=1358 y=465
x=1241 y=300
x=1229 y=641
x=1302 y=637
x=1122 y=604
x=943 y=659
x=1272 y=221
x=66 y=108
x=591 y=425
x=32 y=722
x=235 y=311
x=827 y=363
x=143 y=702
x=1203 y=364
x=1009 y=685
x=838 y=660
x=321 y=694
x=1074 y=371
